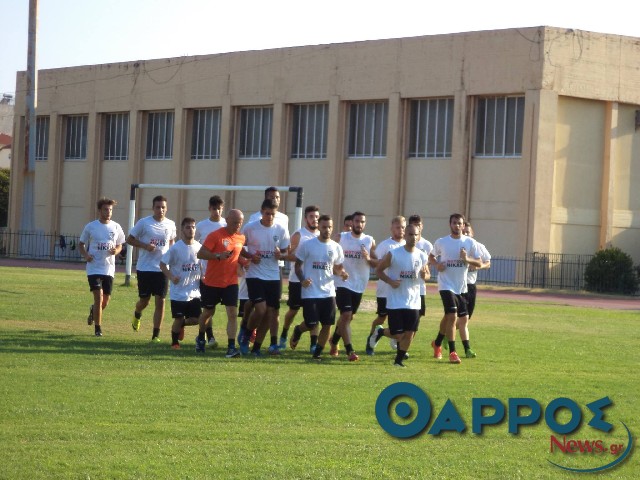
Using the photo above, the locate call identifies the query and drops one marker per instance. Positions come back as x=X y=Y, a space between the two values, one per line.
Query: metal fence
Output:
x=535 y=270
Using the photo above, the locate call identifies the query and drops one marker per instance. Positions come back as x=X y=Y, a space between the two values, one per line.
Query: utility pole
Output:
x=28 y=196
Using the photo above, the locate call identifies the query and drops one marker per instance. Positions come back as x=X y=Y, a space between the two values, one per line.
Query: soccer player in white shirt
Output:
x=153 y=235
x=398 y=225
x=267 y=242
x=404 y=269
x=203 y=229
x=100 y=241
x=309 y=231
x=181 y=266
x=317 y=261
x=451 y=256
x=359 y=256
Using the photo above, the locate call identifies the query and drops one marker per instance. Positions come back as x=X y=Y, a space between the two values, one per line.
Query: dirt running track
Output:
x=610 y=302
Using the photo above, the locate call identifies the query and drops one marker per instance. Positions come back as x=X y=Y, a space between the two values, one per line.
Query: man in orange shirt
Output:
x=222 y=249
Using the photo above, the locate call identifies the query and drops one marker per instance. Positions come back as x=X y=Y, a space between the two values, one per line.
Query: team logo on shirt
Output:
x=455 y=264
x=158 y=242
x=103 y=246
x=330 y=255
x=190 y=267
x=275 y=239
x=356 y=255
x=225 y=242
x=321 y=266
x=112 y=235
x=411 y=274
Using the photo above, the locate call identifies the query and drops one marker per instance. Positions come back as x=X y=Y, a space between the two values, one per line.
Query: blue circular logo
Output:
x=403 y=409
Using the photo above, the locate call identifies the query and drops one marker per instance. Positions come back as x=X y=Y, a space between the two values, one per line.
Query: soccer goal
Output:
x=238 y=188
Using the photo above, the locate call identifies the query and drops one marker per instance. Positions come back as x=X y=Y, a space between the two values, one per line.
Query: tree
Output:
x=5 y=178
x=611 y=271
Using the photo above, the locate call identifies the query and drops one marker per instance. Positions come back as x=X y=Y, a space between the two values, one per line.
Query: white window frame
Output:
x=309 y=131
x=76 y=137
x=368 y=129
x=254 y=140
x=431 y=128
x=205 y=134
x=499 y=126
x=159 y=135
x=116 y=136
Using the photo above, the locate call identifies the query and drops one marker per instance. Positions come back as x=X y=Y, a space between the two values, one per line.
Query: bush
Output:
x=611 y=271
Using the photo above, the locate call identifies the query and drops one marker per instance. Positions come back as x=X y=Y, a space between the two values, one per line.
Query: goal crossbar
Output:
x=237 y=188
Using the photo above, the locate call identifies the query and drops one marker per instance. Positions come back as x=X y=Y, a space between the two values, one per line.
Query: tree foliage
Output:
x=611 y=271
x=5 y=177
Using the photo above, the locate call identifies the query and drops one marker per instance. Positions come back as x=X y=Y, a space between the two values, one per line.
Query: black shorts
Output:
x=319 y=310
x=403 y=320
x=101 y=282
x=348 y=300
x=382 y=306
x=152 y=283
x=241 y=307
x=268 y=291
x=453 y=303
x=295 y=296
x=212 y=296
x=470 y=297
x=190 y=309
x=423 y=305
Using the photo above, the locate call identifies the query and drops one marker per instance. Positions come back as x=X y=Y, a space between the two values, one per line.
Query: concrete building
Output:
x=532 y=133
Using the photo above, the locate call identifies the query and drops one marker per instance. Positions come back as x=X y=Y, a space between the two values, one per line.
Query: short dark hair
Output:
x=215 y=201
x=325 y=218
x=106 y=201
x=186 y=220
x=158 y=198
x=457 y=216
x=357 y=213
x=415 y=218
x=347 y=218
x=270 y=189
x=311 y=208
x=268 y=203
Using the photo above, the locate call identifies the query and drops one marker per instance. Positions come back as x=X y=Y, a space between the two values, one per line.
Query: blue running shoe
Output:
x=257 y=354
x=274 y=350
x=200 y=345
x=312 y=349
x=283 y=343
x=368 y=349
x=232 y=352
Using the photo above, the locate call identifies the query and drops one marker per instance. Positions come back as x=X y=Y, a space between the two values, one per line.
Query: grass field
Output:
x=77 y=407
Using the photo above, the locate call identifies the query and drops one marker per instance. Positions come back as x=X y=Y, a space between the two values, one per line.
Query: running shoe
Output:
x=293 y=343
x=98 y=333
x=353 y=357
x=399 y=364
x=181 y=334
x=232 y=352
x=375 y=338
x=200 y=345
x=274 y=350
x=257 y=354
x=90 y=317
x=335 y=350
x=312 y=349
x=470 y=353
x=253 y=336
x=175 y=346
x=454 y=358
x=283 y=343
x=393 y=343
x=437 y=350
x=368 y=349
x=155 y=340
x=213 y=343
x=135 y=323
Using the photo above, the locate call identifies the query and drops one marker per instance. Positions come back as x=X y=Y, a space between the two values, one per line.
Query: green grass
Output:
x=76 y=407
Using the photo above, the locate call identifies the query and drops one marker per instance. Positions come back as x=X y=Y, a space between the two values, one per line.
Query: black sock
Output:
x=256 y=347
x=439 y=339
x=174 y=337
x=297 y=333
x=452 y=346
x=465 y=344
x=379 y=334
x=318 y=351
x=156 y=333
x=314 y=340
x=231 y=343
x=97 y=328
x=349 y=348
x=274 y=340
x=201 y=336
x=137 y=315
x=209 y=332
x=400 y=355
x=285 y=332
x=336 y=338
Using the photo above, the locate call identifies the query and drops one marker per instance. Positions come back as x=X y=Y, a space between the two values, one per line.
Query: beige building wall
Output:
x=565 y=194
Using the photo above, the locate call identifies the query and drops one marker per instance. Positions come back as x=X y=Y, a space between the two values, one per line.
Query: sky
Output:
x=87 y=32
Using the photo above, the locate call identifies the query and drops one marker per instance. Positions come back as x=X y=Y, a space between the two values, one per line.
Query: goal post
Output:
x=236 y=188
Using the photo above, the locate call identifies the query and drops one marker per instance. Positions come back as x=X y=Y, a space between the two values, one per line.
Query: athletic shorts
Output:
x=453 y=303
x=295 y=296
x=319 y=311
x=348 y=300
x=382 y=306
x=241 y=307
x=403 y=320
x=470 y=297
x=101 y=282
x=423 y=305
x=212 y=296
x=268 y=291
x=152 y=283
x=190 y=309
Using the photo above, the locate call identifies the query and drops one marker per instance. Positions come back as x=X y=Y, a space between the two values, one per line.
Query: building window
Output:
x=368 y=130
x=205 y=138
x=42 y=139
x=255 y=132
x=159 y=136
x=431 y=128
x=499 y=124
x=116 y=136
x=309 y=135
x=76 y=143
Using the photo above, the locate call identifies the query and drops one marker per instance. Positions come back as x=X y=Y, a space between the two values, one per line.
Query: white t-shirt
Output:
x=280 y=218
x=447 y=250
x=354 y=263
x=203 y=229
x=150 y=230
x=305 y=234
x=263 y=241
x=405 y=266
x=485 y=256
x=98 y=239
x=381 y=250
x=182 y=260
x=426 y=246
x=318 y=260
